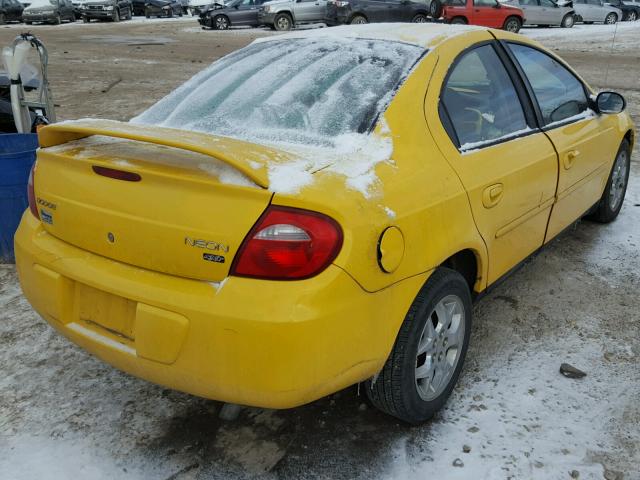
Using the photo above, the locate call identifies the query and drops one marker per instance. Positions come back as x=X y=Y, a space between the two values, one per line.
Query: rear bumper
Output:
x=251 y=342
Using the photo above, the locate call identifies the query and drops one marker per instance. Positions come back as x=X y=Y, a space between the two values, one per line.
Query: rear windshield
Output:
x=300 y=90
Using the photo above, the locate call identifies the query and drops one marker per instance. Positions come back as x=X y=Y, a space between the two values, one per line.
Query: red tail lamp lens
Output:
x=117 y=174
x=31 y=194
x=288 y=244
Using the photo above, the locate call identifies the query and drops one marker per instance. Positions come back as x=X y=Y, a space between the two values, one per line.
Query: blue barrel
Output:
x=17 y=154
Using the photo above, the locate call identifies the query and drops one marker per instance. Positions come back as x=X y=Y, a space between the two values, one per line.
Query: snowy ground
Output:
x=64 y=414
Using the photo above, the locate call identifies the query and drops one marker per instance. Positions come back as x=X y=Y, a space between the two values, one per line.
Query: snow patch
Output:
x=473 y=146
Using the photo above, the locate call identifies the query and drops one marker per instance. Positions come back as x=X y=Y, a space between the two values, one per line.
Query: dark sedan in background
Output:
x=235 y=13
x=630 y=11
x=372 y=11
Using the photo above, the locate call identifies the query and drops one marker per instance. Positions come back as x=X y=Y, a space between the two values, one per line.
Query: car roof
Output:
x=424 y=35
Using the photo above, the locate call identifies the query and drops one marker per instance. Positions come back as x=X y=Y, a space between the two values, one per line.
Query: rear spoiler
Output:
x=250 y=159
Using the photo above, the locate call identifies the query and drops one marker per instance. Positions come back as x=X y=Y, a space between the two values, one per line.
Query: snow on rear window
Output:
x=300 y=90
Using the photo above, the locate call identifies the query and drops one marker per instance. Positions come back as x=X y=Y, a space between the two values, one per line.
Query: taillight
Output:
x=31 y=194
x=288 y=244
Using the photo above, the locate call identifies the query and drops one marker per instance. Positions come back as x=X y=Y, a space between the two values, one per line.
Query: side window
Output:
x=480 y=99
x=529 y=3
x=547 y=3
x=484 y=3
x=558 y=92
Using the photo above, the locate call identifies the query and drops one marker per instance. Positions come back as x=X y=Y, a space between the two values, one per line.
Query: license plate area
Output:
x=110 y=312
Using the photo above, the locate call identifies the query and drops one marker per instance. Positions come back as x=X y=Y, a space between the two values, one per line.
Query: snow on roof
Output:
x=420 y=34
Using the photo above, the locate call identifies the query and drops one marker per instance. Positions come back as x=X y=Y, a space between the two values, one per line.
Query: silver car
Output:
x=285 y=14
x=591 y=11
x=545 y=12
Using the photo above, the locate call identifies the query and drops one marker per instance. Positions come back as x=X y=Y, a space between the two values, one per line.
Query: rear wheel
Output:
x=427 y=357
x=632 y=17
x=283 y=22
x=85 y=19
x=568 y=21
x=358 y=20
x=116 y=16
x=612 y=199
x=3 y=19
x=220 y=22
x=512 y=24
x=57 y=20
x=611 y=19
x=458 y=21
x=435 y=9
x=419 y=18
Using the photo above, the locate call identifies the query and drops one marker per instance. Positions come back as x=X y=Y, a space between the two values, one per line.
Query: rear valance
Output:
x=250 y=159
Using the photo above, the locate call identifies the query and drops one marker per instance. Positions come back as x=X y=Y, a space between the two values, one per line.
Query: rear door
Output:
x=394 y=11
x=585 y=142
x=485 y=12
x=506 y=164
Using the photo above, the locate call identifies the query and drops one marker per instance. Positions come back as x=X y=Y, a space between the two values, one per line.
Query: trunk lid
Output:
x=196 y=198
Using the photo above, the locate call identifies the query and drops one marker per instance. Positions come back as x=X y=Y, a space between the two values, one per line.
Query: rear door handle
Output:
x=570 y=158
x=492 y=195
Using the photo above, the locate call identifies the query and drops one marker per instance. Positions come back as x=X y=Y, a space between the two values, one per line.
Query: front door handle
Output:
x=492 y=195
x=570 y=158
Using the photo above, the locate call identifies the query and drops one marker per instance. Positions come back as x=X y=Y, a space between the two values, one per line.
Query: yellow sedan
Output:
x=316 y=210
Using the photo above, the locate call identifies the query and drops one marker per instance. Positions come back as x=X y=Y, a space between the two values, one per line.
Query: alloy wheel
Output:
x=221 y=23
x=512 y=26
x=618 y=180
x=440 y=347
x=283 y=23
x=611 y=19
x=632 y=16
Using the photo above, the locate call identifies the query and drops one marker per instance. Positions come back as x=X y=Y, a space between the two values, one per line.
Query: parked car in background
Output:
x=10 y=11
x=545 y=13
x=372 y=11
x=138 y=6
x=630 y=12
x=488 y=13
x=49 y=11
x=285 y=14
x=235 y=13
x=162 y=8
x=114 y=10
x=592 y=11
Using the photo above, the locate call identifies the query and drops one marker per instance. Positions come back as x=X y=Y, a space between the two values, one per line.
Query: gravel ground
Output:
x=64 y=413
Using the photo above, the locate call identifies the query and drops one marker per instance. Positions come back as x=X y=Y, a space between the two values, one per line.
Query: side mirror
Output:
x=610 y=102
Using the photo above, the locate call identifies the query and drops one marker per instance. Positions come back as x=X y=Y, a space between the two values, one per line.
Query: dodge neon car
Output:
x=316 y=210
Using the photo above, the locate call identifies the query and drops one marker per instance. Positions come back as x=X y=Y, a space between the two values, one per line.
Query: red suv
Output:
x=488 y=13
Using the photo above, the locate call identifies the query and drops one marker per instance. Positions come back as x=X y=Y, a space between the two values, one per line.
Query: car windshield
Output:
x=305 y=90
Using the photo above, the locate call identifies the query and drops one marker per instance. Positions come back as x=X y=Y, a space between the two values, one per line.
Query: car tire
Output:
x=423 y=367
x=512 y=24
x=611 y=19
x=220 y=22
x=116 y=16
x=458 y=21
x=28 y=23
x=435 y=9
x=147 y=12
x=57 y=20
x=632 y=17
x=283 y=22
x=420 y=18
x=3 y=19
x=85 y=20
x=609 y=205
x=358 y=20
x=568 y=21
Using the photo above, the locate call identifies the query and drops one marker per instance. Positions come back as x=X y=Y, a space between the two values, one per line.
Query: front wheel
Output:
x=612 y=199
x=435 y=9
x=568 y=21
x=116 y=16
x=458 y=21
x=632 y=17
x=283 y=22
x=220 y=22
x=512 y=24
x=358 y=20
x=3 y=19
x=611 y=19
x=419 y=18
x=427 y=357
